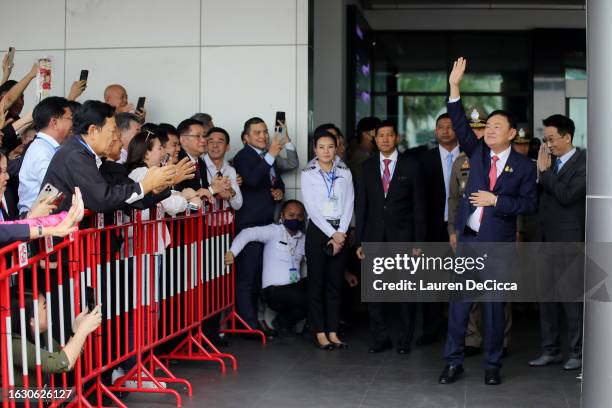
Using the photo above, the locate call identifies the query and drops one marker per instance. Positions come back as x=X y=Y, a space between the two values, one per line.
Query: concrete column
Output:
x=597 y=354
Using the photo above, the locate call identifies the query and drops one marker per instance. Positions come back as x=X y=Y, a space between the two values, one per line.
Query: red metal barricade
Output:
x=159 y=281
x=18 y=269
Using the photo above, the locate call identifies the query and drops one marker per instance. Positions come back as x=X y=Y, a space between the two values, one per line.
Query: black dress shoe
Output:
x=450 y=374
x=270 y=334
x=426 y=339
x=492 y=376
x=470 y=351
x=403 y=350
x=380 y=347
x=219 y=341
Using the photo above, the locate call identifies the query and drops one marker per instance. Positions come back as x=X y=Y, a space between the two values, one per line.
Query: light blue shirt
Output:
x=33 y=169
x=565 y=158
x=447 y=158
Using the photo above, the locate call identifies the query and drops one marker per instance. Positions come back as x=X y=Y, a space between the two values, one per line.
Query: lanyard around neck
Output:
x=331 y=177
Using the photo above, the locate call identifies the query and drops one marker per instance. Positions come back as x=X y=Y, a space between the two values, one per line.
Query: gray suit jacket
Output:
x=562 y=201
x=291 y=162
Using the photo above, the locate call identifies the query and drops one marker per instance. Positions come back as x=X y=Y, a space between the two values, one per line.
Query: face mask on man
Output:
x=293 y=225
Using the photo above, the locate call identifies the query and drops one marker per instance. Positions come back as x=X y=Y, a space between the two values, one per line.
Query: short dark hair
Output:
x=47 y=109
x=288 y=202
x=386 y=123
x=253 y=121
x=205 y=118
x=324 y=133
x=162 y=136
x=74 y=106
x=138 y=148
x=124 y=119
x=184 y=126
x=505 y=114
x=168 y=128
x=563 y=124
x=219 y=130
x=367 y=124
x=442 y=116
x=91 y=113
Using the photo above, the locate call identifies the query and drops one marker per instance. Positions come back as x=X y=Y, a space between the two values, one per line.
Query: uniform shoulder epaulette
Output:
x=341 y=166
x=309 y=168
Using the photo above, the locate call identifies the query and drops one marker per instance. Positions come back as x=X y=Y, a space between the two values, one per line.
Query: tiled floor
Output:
x=296 y=374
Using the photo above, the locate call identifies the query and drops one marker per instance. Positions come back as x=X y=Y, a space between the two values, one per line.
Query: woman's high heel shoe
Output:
x=342 y=345
x=328 y=346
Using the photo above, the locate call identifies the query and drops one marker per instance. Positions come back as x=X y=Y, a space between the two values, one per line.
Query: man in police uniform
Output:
x=460 y=173
x=527 y=226
x=520 y=144
x=458 y=181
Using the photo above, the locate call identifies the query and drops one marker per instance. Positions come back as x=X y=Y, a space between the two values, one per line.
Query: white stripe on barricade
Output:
x=117 y=291
x=9 y=345
x=108 y=290
x=61 y=305
x=207 y=261
x=24 y=354
x=185 y=263
x=49 y=322
x=36 y=328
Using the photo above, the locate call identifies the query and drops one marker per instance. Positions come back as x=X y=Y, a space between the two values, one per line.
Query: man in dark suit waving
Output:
x=501 y=185
x=390 y=207
x=562 y=216
x=261 y=189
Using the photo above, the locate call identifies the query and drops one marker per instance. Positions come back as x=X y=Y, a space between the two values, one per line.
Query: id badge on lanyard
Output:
x=331 y=204
x=294 y=272
x=294 y=275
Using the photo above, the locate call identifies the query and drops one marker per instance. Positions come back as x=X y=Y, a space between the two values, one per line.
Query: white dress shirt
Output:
x=393 y=158
x=172 y=205
x=447 y=166
x=282 y=252
x=318 y=194
x=474 y=219
x=227 y=171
